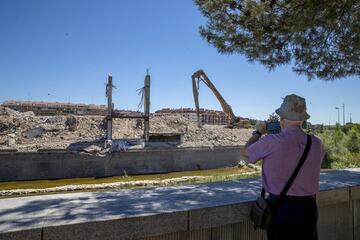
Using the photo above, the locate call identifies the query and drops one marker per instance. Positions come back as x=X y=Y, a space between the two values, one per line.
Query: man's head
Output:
x=292 y=111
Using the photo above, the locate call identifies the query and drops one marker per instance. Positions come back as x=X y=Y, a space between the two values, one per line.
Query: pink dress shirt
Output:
x=280 y=154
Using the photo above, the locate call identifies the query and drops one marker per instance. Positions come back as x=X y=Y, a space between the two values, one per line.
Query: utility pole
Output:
x=109 y=87
x=338 y=109
x=147 y=106
x=350 y=118
x=343 y=114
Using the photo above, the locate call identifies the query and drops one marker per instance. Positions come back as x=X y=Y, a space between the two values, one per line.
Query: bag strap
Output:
x=262 y=192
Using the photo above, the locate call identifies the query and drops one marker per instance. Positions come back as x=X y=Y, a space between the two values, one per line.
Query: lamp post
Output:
x=338 y=109
x=343 y=106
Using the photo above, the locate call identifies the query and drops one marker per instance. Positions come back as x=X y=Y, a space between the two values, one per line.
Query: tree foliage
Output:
x=321 y=38
x=342 y=146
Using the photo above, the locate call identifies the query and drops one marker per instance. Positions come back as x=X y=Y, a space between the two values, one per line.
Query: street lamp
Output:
x=338 y=109
x=343 y=106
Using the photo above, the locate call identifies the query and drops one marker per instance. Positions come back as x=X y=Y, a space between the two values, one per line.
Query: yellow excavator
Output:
x=234 y=122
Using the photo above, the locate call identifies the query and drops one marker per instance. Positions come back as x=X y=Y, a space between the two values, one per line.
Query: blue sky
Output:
x=59 y=50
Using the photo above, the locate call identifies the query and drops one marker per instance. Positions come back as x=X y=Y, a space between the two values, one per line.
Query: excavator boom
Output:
x=201 y=76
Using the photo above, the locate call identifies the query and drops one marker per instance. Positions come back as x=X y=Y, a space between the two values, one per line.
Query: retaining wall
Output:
x=215 y=211
x=66 y=164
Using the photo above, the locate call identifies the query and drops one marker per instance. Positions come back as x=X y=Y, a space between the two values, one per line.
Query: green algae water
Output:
x=212 y=175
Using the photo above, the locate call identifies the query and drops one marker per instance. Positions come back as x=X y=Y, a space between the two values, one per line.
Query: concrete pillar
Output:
x=147 y=106
x=109 y=87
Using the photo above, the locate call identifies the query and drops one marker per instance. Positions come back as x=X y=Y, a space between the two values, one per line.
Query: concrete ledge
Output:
x=32 y=234
x=356 y=218
x=8 y=150
x=202 y=234
x=218 y=216
x=333 y=196
x=125 y=229
x=181 y=212
x=50 y=150
x=335 y=221
x=238 y=231
x=355 y=192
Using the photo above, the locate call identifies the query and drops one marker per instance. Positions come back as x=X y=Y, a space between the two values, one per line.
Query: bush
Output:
x=353 y=141
x=342 y=146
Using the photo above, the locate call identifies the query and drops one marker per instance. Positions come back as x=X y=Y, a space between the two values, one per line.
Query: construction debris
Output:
x=71 y=123
x=80 y=132
x=34 y=132
x=11 y=140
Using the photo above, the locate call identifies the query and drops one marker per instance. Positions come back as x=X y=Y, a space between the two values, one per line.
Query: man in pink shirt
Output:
x=296 y=217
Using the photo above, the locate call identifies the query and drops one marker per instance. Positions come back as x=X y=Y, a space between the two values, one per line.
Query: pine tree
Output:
x=321 y=38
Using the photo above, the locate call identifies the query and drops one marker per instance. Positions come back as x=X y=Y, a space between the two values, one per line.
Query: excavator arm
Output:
x=201 y=76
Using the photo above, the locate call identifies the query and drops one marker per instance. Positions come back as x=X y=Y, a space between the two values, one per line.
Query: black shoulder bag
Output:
x=261 y=212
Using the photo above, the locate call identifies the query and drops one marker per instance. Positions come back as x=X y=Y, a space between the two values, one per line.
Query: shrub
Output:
x=353 y=141
x=342 y=146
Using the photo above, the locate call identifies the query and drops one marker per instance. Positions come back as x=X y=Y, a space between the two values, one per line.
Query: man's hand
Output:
x=261 y=127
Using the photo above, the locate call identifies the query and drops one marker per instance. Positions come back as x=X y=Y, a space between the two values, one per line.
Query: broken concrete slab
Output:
x=92 y=149
x=34 y=132
x=11 y=139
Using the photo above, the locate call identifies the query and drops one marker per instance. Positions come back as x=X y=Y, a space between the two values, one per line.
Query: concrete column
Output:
x=109 y=109
x=147 y=106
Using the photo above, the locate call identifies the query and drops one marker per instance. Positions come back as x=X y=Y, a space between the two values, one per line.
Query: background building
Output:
x=207 y=116
x=56 y=108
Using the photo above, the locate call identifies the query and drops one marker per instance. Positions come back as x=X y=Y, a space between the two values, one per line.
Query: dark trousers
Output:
x=295 y=218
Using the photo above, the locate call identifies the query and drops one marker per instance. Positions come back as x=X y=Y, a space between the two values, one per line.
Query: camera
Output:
x=273 y=127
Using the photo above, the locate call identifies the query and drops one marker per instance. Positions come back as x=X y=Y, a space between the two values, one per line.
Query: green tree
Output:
x=353 y=141
x=273 y=118
x=320 y=37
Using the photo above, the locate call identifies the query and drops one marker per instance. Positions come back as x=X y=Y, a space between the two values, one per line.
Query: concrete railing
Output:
x=191 y=212
x=66 y=164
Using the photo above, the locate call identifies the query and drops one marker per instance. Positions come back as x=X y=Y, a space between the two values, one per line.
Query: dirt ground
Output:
x=27 y=132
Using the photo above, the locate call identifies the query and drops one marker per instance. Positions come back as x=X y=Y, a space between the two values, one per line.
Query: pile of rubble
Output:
x=26 y=132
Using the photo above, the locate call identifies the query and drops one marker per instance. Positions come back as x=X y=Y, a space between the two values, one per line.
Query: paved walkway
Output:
x=58 y=209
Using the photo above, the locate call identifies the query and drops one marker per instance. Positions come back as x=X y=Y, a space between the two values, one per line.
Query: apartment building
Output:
x=207 y=116
x=56 y=108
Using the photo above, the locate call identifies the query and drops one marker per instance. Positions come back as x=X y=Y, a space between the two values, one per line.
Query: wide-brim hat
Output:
x=293 y=108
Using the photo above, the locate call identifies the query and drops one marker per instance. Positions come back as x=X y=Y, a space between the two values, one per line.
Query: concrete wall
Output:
x=338 y=209
x=213 y=211
x=338 y=220
x=57 y=165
